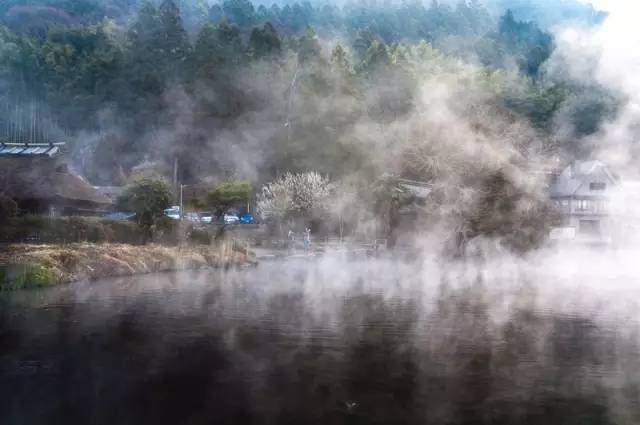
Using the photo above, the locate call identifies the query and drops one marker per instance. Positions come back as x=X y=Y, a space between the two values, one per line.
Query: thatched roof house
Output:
x=40 y=183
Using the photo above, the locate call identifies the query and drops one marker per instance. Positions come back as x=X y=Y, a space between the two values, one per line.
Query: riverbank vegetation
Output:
x=62 y=230
x=28 y=265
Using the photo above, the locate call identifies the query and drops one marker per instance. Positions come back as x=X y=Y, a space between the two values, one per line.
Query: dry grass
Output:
x=95 y=261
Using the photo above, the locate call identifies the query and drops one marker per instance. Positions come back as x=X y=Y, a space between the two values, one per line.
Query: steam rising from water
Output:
x=545 y=339
x=551 y=337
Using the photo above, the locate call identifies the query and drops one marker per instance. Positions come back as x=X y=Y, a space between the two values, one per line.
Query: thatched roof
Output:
x=45 y=179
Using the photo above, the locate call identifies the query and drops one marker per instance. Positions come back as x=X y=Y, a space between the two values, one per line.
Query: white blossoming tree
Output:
x=304 y=195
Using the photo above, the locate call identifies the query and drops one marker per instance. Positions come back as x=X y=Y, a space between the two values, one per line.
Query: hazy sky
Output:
x=609 y=54
x=625 y=6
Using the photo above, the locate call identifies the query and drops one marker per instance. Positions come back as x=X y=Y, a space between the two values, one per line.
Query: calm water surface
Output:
x=316 y=343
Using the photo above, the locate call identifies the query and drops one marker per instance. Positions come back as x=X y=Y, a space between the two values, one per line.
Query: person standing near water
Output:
x=307 y=240
x=292 y=241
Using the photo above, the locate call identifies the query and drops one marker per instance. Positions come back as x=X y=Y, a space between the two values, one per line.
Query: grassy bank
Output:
x=60 y=230
x=28 y=266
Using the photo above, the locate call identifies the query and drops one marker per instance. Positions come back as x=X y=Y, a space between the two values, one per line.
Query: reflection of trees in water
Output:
x=465 y=372
x=533 y=369
x=380 y=373
x=456 y=369
x=385 y=361
x=297 y=368
x=126 y=373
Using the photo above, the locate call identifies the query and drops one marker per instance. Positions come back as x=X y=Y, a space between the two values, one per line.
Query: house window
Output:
x=598 y=186
x=584 y=205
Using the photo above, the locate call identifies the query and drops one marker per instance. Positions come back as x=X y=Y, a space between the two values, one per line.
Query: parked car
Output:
x=206 y=217
x=231 y=219
x=192 y=217
x=247 y=218
x=120 y=216
x=173 y=212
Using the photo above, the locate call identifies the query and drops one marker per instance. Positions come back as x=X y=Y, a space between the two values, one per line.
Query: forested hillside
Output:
x=550 y=13
x=238 y=89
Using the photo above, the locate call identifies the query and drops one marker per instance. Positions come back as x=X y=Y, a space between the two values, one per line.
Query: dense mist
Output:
x=475 y=317
x=465 y=96
x=337 y=341
x=159 y=81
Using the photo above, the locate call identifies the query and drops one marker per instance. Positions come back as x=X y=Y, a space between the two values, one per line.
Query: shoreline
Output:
x=24 y=266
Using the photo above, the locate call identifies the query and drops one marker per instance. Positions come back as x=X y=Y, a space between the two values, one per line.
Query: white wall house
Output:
x=583 y=194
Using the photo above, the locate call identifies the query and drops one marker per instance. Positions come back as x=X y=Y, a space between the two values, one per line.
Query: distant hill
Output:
x=549 y=13
x=36 y=17
x=37 y=20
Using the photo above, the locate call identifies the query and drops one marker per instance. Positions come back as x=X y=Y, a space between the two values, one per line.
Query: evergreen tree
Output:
x=265 y=42
x=239 y=12
x=216 y=14
x=309 y=46
x=173 y=38
x=339 y=59
x=195 y=13
x=362 y=43
x=144 y=43
x=218 y=51
x=531 y=46
x=204 y=58
x=376 y=59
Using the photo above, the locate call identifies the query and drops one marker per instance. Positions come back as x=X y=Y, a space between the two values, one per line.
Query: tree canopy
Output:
x=147 y=197
x=238 y=90
x=229 y=195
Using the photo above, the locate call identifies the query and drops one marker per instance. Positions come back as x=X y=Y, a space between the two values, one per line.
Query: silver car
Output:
x=192 y=216
x=231 y=219
x=206 y=217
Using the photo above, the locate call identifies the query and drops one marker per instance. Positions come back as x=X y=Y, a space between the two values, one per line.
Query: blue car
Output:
x=247 y=219
x=120 y=216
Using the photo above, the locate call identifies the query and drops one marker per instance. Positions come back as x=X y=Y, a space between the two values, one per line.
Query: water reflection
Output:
x=360 y=344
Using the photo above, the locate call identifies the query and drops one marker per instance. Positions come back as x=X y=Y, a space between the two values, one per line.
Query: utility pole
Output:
x=175 y=173
x=181 y=201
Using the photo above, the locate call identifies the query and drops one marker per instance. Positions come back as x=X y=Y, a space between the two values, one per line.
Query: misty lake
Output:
x=328 y=342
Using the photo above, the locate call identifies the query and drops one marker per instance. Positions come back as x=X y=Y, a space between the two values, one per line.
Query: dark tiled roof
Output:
x=29 y=149
x=573 y=180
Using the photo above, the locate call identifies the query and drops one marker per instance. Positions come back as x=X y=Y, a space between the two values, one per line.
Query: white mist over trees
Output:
x=455 y=95
x=606 y=56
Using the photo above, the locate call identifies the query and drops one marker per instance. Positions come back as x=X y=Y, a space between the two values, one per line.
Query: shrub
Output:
x=505 y=212
x=8 y=208
x=147 y=197
x=123 y=232
x=166 y=231
x=198 y=236
x=97 y=233
x=27 y=276
x=70 y=229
